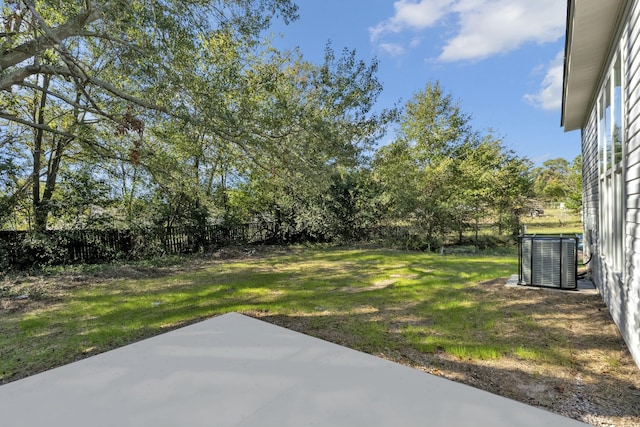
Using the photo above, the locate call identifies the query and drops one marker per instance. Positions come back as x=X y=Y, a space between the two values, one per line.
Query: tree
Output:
x=322 y=120
x=178 y=102
x=82 y=201
x=441 y=176
x=354 y=201
x=417 y=171
x=72 y=72
x=552 y=181
x=84 y=42
x=575 y=190
x=512 y=188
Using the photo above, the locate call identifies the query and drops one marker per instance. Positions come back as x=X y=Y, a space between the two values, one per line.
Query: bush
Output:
x=41 y=249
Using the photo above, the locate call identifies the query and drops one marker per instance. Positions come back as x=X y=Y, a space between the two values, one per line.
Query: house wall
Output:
x=632 y=178
x=620 y=290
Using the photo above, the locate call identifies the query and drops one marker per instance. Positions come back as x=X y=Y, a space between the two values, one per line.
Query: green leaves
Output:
x=559 y=181
x=440 y=175
x=434 y=122
x=111 y=65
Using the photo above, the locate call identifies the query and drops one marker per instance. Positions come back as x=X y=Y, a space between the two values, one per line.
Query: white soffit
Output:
x=591 y=26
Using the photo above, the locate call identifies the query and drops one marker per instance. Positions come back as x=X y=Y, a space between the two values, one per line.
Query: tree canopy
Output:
x=558 y=180
x=176 y=95
x=182 y=113
x=443 y=176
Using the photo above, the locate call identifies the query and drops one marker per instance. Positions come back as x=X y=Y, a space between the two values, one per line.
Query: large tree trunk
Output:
x=40 y=210
x=41 y=202
x=53 y=167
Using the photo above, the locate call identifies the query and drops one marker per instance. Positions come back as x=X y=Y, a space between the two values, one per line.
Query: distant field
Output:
x=554 y=221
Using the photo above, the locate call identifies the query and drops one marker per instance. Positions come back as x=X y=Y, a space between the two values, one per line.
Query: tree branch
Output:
x=139 y=102
x=29 y=49
x=18 y=76
x=85 y=108
x=17 y=119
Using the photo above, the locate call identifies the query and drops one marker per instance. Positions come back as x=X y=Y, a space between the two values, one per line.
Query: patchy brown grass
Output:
x=600 y=386
x=556 y=350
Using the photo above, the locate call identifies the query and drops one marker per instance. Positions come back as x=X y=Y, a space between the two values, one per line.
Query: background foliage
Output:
x=180 y=113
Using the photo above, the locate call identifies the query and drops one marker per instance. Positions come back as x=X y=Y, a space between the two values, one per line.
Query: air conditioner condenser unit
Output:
x=548 y=261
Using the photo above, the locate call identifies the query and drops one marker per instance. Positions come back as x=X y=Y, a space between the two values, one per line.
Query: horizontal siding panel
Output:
x=633 y=78
x=633 y=201
x=632 y=74
x=632 y=232
x=633 y=172
x=633 y=130
x=633 y=23
x=635 y=13
x=590 y=174
x=633 y=186
x=633 y=262
x=633 y=125
x=590 y=177
x=633 y=154
x=622 y=298
x=633 y=40
x=632 y=106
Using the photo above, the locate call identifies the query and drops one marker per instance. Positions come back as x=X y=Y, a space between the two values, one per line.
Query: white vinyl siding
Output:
x=611 y=180
x=632 y=159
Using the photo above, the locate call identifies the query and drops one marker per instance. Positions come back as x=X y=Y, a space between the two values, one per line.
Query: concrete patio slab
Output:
x=233 y=370
x=585 y=286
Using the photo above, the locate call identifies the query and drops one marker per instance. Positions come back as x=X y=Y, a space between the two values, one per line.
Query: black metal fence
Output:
x=22 y=249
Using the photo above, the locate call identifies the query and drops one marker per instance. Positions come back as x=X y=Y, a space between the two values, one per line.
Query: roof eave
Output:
x=591 y=27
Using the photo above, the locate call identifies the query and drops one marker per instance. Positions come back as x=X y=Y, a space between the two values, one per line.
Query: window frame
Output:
x=611 y=123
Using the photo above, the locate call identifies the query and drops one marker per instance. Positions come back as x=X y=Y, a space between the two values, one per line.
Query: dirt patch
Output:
x=24 y=291
x=375 y=287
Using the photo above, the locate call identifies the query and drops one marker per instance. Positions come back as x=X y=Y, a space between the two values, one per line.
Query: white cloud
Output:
x=495 y=27
x=483 y=27
x=419 y=15
x=415 y=42
x=393 y=49
x=409 y=14
x=549 y=96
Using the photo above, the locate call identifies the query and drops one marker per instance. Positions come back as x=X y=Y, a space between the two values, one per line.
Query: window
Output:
x=611 y=138
x=617 y=112
x=602 y=134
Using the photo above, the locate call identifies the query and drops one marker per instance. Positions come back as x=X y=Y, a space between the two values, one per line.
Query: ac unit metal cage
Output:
x=548 y=261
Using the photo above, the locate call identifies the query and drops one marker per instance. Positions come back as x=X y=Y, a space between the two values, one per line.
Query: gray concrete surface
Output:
x=585 y=286
x=233 y=370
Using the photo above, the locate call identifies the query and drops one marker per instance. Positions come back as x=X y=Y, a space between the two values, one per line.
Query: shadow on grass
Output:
x=567 y=388
x=425 y=310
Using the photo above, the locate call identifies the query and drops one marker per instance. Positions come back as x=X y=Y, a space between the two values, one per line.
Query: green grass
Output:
x=373 y=300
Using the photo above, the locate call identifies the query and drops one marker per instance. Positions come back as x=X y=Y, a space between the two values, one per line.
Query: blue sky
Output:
x=501 y=59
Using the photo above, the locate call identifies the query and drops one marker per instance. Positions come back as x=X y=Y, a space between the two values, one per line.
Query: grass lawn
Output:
x=554 y=221
x=448 y=315
x=362 y=291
